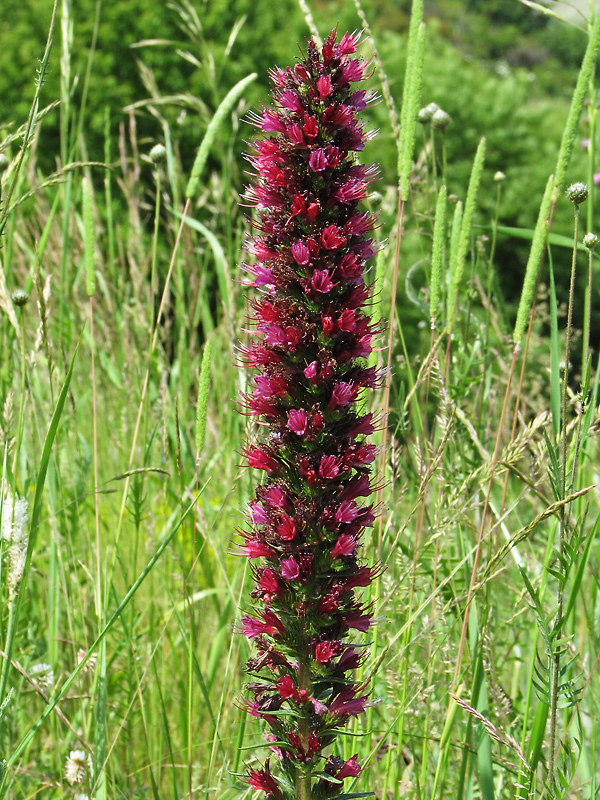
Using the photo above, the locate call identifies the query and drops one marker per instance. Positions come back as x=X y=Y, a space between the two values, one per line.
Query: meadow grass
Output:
x=120 y=668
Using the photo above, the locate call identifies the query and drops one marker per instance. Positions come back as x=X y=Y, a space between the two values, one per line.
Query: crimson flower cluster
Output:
x=311 y=342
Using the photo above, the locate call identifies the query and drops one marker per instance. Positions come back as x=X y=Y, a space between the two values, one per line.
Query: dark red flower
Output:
x=311 y=334
x=325 y=651
x=318 y=160
x=255 y=549
x=332 y=238
x=329 y=466
x=301 y=253
x=290 y=568
x=345 y=546
x=350 y=769
x=287 y=688
x=347 y=704
x=324 y=86
x=259 y=459
x=261 y=780
x=297 y=421
x=287 y=528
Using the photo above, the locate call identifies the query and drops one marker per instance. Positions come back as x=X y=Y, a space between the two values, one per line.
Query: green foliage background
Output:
x=499 y=68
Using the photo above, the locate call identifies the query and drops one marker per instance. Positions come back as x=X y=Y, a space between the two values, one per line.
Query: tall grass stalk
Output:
x=411 y=96
x=579 y=95
x=563 y=528
x=464 y=237
x=437 y=253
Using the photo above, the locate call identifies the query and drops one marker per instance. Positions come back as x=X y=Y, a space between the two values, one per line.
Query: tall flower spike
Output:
x=311 y=339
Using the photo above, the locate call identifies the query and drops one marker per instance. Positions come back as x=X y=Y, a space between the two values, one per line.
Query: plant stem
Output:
x=303 y=780
x=569 y=332
x=564 y=513
x=21 y=422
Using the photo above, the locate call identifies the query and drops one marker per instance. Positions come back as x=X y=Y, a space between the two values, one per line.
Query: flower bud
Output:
x=441 y=119
x=20 y=297
x=577 y=193
x=158 y=154
x=431 y=109
x=590 y=240
x=499 y=176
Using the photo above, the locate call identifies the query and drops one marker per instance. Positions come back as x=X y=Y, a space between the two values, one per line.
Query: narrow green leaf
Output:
x=225 y=108
x=221 y=265
x=537 y=735
x=579 y=573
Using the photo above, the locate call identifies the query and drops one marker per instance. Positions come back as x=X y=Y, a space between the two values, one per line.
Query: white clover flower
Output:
x=90 y=664
x=76 y=767
x=14 y=529
x=43 y=674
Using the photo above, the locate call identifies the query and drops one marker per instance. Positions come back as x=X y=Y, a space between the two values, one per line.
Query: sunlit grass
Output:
x=130 y=593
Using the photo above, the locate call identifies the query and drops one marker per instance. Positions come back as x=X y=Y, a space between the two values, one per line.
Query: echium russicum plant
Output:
x=312 y=339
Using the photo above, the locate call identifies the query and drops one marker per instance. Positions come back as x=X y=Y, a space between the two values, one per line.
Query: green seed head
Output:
x=20 y=297
x=441 y=119
x=590 y=240
x=4 y=163
x=577 y=193
x=158 y=154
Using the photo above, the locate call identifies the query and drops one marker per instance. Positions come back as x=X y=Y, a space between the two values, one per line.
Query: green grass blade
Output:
x=453 y=259
x=586 y=74
x=57 y=697
x=35 y=516
x=469 y=210
x=221 y=265
x=225 y=108
x=527 y=234
x=202 y=405
x=88 y=237
x=579 y=573
x=554 y=356
x=533 y=264
x=411 y=97
x=437 y=255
